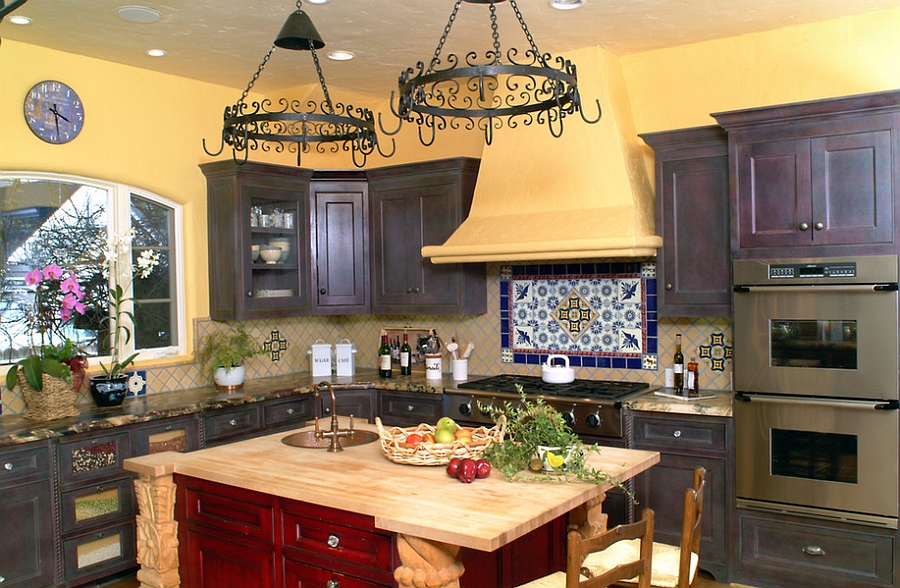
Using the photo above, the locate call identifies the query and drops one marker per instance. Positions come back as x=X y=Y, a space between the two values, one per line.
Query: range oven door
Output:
x=833 y=341
x=833 y=459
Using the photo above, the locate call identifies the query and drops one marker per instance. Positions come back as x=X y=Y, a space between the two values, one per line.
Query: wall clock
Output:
x=54 y=112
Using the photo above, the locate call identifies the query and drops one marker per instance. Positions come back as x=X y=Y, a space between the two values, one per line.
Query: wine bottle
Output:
x=384 y=358
x=405 y=357
x=693 y=382
x=678 y=365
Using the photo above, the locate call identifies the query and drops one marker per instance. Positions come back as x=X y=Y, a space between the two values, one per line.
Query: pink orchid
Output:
x=52 y=272
x=33 y=278
x=65 y=313
x=80 y=308
x=71 y=285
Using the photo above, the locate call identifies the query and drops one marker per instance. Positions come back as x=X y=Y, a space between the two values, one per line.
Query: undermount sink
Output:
x=308 y=439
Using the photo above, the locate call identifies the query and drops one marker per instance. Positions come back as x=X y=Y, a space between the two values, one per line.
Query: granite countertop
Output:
x=15 y=429
x=720 y=405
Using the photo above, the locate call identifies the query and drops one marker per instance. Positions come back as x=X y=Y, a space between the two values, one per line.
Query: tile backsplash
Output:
x=611 y=304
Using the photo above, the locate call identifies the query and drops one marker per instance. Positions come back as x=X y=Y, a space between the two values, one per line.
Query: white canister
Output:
x=343 y=357
x=433 y=366
x=460 y=369
x=320 y=359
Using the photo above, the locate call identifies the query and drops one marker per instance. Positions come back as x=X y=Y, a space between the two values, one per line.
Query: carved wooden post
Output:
x=157 y=532
x=589 y=518
x=427 y=564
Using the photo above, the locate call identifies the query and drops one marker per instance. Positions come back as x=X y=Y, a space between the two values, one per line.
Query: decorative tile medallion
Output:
x=718 y=353
x=599 y=314
x=137 y=383
x=274 y=345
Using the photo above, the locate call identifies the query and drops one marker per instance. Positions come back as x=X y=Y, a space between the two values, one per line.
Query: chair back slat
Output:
x=691 y=523
x=579 y=548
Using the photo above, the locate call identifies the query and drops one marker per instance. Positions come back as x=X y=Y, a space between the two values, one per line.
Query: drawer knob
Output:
x=813 y=550
x=677 y=433
x=803 y=226
x=333 y=541
x=332 y=584
x=99 y=489
x=323 y=291
x=2 y=579
x=669 y=286
x=410 y=407
x=8 y=466
x=290 y=411
x=232 y=422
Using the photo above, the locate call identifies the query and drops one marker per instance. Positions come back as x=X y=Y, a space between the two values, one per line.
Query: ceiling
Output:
x=224 y=41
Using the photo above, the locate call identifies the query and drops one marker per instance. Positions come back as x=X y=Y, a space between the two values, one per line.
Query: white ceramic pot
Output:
x=557 y=374
x=285 y=245
x=229 y=378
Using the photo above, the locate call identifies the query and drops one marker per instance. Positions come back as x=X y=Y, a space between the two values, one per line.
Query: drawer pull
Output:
x=290 y=411
x=99 y=489
x=232 y=422
x=813 y=550
x=333 y=541
x=170 y=427
x=410 y=407
x=8 y=466
x=677 y=433
x=2 y=579
x=332 y=584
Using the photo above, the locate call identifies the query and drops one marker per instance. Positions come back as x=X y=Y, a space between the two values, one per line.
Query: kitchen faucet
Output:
x=335 y=433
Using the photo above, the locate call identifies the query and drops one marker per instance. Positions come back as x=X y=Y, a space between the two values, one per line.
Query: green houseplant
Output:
x=222 y=354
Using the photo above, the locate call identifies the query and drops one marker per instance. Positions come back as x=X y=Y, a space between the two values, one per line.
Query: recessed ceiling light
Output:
x=341 y=55
x=566 y=4
x=137 y=14
x=318 y=1
x=156 y=52
x=19 y=20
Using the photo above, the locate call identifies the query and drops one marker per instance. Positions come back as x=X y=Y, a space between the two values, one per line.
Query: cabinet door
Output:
x=852 y=193
x=26 y=556
x=395 y=238
x=340 y=247
x=222 y=560
x=359 y=403
x=288 y=413
x=92 y=458
x=774 y=194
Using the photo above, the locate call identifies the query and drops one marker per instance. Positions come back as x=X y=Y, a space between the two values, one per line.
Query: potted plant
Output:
x=222 y=356
x=111 y=388
x=540 y=445
x=45 y=375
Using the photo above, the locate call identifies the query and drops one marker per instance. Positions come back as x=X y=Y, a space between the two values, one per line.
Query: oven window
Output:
x=813 y=343
x=816 y=456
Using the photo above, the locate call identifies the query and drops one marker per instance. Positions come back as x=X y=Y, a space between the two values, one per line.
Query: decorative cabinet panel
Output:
x=815 y=178
x=412 y=206
x=339 y=222
x=261 y=205
x=684 y=442
x=26 y=505
x=692 y=217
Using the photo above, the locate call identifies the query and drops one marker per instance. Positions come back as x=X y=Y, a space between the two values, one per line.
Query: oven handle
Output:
x=861 y=404
x=892 y=287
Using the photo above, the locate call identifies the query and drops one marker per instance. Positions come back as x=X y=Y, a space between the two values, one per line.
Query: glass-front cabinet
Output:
x=258 y=219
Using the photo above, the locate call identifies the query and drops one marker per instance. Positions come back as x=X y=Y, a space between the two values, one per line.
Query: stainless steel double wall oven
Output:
x=816 y=382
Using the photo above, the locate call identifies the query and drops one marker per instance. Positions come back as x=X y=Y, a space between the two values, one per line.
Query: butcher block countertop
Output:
x=412 y=500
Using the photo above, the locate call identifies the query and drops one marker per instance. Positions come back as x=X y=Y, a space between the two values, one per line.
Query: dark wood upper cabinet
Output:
x=692 y=217
x=815 y=178
x=241 y=287
x=412 y=206
x=339 y=223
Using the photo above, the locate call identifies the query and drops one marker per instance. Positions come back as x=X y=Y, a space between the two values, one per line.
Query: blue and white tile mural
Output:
x=598 y=314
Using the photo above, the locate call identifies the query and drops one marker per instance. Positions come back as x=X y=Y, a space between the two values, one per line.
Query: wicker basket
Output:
x=55 y=401
x=393 y=442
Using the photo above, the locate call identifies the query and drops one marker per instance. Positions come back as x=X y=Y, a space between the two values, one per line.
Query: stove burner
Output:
x=592 y=389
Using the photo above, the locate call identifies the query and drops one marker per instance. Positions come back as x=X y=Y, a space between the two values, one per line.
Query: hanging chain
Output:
x=321 y=79
x=437 y=51
x=528 y=36
x=495 y=33
x=256 y=75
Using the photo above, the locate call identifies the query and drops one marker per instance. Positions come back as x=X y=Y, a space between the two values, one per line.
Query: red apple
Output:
x=466 y=470
x=482 y=468
x=453 y=467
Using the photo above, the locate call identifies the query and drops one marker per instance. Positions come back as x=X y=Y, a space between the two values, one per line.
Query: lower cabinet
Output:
x=408 y=409
x=358 y=403
x=26 y=505
x=684 y=442
x=819 y=554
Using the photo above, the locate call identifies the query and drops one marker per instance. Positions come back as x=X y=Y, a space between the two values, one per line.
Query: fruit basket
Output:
x=396 y=449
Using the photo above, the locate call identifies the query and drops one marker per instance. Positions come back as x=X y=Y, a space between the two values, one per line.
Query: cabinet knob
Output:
x=332 y=584
x=322 y=291
x=409 y=289
x=326 y=410
x=416 y=289
x=410 y=407
x=819 y=226
x=232 y=422
x=290 y=411
x=676 y=433
x=813 y=550
x=333 y=541
x=668 y=286
x=99 y=489
x=250 y=294
x=2 y=579
x=803 y=226
x=8 y=466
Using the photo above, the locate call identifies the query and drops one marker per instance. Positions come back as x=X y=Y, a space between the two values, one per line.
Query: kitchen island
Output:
x=430 y=515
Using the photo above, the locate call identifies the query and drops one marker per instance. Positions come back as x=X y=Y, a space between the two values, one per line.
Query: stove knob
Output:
x=465 y=408
x=486 y=408
x=592 y=420
x=569 y=417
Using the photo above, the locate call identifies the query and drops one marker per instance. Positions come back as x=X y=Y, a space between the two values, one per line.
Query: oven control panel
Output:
x=812 y=270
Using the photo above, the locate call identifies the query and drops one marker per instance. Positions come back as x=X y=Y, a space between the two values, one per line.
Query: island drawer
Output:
x=229 y=424
x=338 y=540
x=298 y=574
x=673 y=432
x=226 y=508
x=769 y=546
x=92 y=457
x=17 y=464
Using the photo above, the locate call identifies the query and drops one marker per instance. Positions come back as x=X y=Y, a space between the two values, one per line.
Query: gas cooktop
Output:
x=593 y=389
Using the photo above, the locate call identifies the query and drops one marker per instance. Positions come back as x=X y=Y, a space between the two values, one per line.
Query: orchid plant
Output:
x=121 y=315
x=57 y=296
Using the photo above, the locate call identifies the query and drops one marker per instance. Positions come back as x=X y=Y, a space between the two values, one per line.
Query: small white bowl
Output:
x=254 y=252
x=270 y=254
x=285 y=245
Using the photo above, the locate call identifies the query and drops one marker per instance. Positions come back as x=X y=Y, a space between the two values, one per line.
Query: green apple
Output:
x=446 y=423
x=444 y=436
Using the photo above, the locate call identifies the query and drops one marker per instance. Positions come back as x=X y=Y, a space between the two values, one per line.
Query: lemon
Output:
x=554 y=461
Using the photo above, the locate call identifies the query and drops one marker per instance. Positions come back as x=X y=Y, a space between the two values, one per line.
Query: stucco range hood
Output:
x=586 y=194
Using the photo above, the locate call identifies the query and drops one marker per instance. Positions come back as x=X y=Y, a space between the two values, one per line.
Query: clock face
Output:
x=54 y=112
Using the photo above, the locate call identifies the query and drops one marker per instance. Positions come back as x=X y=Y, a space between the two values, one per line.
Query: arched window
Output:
x=79 y=224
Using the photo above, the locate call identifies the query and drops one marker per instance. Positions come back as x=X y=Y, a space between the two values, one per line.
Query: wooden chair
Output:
x=637 y=566
x=673 y=566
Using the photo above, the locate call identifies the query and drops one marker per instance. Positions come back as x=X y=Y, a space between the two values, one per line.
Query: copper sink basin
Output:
x=308 y=439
